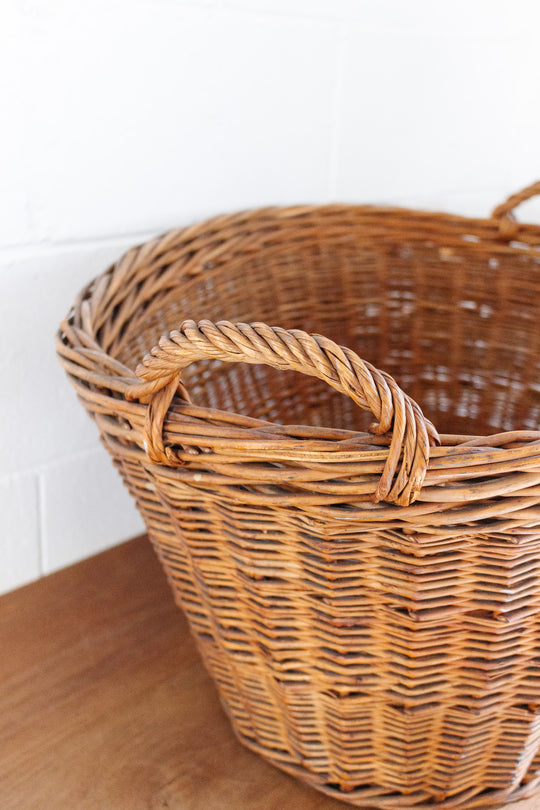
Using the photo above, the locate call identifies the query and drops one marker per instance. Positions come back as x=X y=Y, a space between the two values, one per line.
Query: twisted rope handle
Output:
x=504 y=213
x=374 y=390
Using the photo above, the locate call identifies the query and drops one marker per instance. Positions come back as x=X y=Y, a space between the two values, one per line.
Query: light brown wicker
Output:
x=367 y=598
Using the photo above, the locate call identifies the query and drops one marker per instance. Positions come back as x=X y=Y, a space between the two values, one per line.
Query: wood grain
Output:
x=105 y=704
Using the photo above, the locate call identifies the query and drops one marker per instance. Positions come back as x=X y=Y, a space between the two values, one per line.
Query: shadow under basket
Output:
x=363 y=587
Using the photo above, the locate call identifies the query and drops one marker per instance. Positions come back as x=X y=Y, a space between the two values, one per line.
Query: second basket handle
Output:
x=371 y=389
x=504 y=213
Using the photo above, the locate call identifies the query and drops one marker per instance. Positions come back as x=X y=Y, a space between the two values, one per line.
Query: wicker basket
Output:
x=366 y=597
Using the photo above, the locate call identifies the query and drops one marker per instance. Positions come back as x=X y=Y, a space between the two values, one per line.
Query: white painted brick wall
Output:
x=122 y=119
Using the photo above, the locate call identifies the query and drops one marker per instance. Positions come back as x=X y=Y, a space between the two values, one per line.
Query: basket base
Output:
x=375 y=798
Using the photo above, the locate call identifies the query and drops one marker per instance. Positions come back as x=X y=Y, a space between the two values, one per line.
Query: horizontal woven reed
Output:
x=360 y=567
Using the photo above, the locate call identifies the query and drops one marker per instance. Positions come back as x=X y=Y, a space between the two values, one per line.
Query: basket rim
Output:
x=93 y=369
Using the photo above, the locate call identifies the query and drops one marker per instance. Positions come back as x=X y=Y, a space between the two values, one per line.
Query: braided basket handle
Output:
x=284 y=349
x=504 y=213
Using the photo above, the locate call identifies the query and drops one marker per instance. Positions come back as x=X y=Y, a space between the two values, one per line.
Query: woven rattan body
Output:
x=366 y=596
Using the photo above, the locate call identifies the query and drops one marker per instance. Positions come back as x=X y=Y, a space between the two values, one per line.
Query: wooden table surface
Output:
x=105 y=704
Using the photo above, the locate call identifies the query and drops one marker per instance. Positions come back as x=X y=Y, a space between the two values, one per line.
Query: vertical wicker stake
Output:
x=365 y=596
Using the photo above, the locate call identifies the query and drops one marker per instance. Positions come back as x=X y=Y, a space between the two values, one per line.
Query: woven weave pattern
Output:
x=364 y=590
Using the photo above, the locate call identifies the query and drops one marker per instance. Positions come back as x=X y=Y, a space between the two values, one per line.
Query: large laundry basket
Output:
x=364 y=590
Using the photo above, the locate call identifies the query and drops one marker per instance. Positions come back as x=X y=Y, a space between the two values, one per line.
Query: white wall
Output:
x=120 y=119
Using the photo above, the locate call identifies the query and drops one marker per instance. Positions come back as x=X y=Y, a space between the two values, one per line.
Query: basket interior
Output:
x=456 y=325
